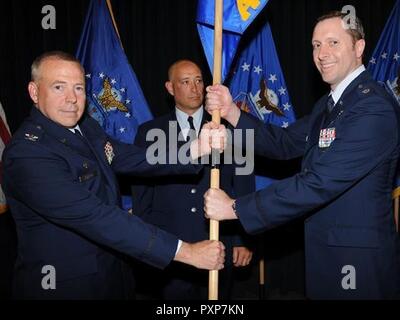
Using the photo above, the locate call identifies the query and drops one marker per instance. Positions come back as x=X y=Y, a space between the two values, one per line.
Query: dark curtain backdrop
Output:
x=154 y=34
x=157 y=32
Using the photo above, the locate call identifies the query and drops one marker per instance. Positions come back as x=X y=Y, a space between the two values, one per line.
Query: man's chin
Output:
x=68 y=124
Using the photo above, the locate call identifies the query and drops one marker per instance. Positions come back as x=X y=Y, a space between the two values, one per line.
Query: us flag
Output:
x=5 y=138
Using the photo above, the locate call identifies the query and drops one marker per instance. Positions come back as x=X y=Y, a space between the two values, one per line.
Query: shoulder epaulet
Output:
x=365 y=89
x=31 y=132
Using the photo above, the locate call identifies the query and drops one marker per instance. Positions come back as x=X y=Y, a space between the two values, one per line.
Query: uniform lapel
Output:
x=88 y=146
x=97 y=147
x=316 y=124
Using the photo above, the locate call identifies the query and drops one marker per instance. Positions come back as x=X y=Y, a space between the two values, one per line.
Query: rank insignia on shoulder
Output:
x=31 y=137
x=365 y=91
x=109 y=151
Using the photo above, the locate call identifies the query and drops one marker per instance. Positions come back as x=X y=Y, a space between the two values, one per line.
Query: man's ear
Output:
x=360 y=46
x=33 y=92
x=169 y=87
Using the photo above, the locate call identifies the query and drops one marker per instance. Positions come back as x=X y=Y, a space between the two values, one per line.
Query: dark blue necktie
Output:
x=192 y=132
x=77 y=132
x=330 y=104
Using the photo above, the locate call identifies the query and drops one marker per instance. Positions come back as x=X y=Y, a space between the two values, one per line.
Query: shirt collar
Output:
x=75 y=128
x=337 y=93
x=183 y=116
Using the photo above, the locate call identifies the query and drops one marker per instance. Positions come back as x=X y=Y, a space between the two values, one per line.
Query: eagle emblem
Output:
x=265 y=101
x=108 y=99
x=268 y=99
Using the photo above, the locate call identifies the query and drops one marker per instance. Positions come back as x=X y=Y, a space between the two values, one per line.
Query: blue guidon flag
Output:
x=237 y=16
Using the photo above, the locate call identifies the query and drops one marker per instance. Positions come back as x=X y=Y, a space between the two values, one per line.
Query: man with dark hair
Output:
x=61 y=189
x=350 y=148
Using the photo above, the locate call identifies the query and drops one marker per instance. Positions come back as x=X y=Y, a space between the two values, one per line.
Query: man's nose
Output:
x=195 y=87
x=323 y=52
x=71 y=96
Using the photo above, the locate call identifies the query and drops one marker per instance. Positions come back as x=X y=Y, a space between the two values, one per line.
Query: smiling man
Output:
x=59 y=179
x=350 y=146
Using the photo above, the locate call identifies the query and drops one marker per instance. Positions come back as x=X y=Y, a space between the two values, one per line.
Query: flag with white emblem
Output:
x=385 y=61
x=114 y=96
x=258 y=85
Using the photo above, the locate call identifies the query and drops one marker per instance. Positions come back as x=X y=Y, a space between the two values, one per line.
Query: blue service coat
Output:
x=351 y=246
x=63 y=195
x=175 y=204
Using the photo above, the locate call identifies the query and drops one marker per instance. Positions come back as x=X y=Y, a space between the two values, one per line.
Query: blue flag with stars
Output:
x=385 y=61
x=237 y=16
x=114 y=96
x=258 y=86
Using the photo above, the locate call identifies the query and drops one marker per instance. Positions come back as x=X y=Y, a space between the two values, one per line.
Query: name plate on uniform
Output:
x=326 y=137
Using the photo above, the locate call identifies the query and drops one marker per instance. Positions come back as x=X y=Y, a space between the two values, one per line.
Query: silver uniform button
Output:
x=193 y=190
x=193 y=210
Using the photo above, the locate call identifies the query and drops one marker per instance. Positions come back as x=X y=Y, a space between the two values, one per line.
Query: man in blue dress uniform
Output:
x=350 y=148
x=60 y=185
x=175 y=203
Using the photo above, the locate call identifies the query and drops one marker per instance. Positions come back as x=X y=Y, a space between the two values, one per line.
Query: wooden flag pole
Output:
x=261 y=268
x=113 y=20
x=216 y=117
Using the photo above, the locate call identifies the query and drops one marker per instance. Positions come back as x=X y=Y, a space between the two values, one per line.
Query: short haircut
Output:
x=57 y=55
x=355 y=30
x=174 y=65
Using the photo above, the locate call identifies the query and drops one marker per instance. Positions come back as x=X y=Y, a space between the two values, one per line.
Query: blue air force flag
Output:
x=258 y=86
x=114 y=96
x=237 y=16
x=385 y=61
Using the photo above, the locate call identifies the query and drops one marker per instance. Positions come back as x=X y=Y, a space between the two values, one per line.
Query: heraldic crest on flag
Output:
x=107 y=97
x=258 y=85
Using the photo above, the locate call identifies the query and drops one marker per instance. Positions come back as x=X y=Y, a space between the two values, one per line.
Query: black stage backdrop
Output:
x=155 y=33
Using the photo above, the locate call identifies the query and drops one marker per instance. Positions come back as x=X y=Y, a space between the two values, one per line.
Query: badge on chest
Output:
x=326 y=137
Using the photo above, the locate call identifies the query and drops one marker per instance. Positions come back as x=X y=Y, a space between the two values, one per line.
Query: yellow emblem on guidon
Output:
x=244 y=5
